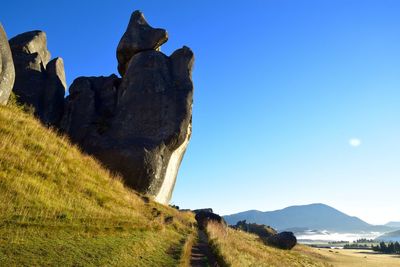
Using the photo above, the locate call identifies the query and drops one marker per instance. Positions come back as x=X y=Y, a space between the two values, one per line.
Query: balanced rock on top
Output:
x=139 y=36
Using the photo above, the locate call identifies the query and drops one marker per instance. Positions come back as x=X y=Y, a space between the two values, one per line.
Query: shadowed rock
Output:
x=30 y=43
x=139 y=36
x=283 y=240
x=89 y=109
x=38 y=82
x=138 y=126
x=53 y=97
x=7 y=72
x=204 y=216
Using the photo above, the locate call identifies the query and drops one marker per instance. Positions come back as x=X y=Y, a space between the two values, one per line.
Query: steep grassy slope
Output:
x=237 y=248
x=59 y=207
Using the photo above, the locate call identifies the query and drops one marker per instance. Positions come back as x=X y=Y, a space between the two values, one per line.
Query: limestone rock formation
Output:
x=53 y=97
x=89 y=109
x=139 y=36
x=39 y=82
x=138 y=125
x=7 y=72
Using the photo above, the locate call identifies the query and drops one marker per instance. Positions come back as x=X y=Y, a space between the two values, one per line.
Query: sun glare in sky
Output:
x=355 y=142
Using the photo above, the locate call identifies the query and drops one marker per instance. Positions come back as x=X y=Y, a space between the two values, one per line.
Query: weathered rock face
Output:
x=138 y=126
x=7 y=72
x=39 y=82
x=89 y=109
x=53 y=97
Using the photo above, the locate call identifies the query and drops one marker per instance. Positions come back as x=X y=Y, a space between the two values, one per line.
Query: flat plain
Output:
x=359 y=258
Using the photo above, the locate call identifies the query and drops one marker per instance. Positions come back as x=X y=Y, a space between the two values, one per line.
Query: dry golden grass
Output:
x=60 y=207
x=187 y=250
x=359 y=258
x=237 y=248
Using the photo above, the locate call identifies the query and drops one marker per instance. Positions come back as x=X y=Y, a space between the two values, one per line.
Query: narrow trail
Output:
x=201 y=252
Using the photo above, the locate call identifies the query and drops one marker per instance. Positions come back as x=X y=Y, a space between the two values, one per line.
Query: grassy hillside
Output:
x=237 y=248
x=59 y=207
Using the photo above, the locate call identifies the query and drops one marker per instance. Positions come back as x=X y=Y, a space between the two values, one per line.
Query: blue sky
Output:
x=281 y=86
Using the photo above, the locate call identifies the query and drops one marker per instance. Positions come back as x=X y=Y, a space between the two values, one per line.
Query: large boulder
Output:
x=283 y=240
x=39 y=82
x=139 y=36
x=138 y=126
x=7 y=72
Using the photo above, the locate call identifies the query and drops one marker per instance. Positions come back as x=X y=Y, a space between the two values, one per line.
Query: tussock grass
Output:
x=187 y=250
x=59 y=207
x=237 y=248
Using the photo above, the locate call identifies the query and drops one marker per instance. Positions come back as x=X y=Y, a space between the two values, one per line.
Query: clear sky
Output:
x=295 y=102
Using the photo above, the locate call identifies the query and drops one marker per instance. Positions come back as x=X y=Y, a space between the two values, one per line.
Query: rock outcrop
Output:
x=39 y=82
x=283 y=240
x=139 y=125
x=263 y=231
x=268 y=235
x=7 y=72
x=203 y=216
x=89 y=110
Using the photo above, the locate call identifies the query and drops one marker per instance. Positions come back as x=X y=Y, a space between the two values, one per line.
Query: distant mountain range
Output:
x=391 y=236
x=393 y=224
x=308 y=217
